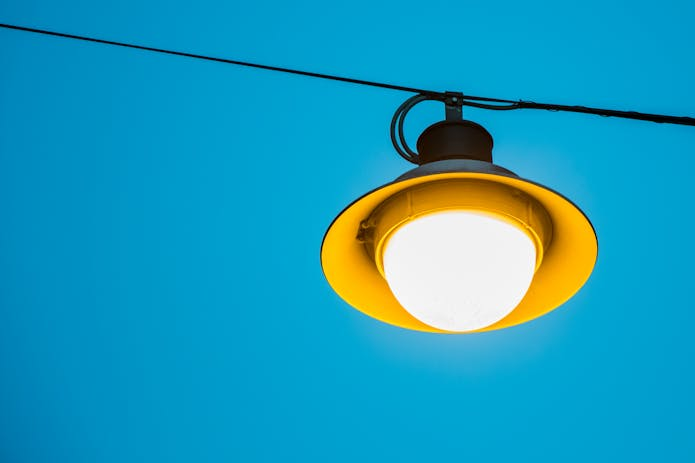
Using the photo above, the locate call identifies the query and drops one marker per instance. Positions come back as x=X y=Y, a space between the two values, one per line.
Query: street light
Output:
x=457 y=244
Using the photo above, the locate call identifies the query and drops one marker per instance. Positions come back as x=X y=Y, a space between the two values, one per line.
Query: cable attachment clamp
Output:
x=454 y=106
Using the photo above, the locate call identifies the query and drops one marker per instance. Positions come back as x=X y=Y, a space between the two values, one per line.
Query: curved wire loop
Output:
x=397 y=134
x=497 y=107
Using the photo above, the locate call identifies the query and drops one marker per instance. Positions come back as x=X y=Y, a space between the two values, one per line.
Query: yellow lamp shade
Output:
x=483 y=233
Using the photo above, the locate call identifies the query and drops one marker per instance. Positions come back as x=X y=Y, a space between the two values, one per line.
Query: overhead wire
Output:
x=221 y=60
x=468 y=100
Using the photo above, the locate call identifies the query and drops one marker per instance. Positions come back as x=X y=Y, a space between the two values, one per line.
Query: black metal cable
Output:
x=469 y=100
x=658 y=118
x=223 y=60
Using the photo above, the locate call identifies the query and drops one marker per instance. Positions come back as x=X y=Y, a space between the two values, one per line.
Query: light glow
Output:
x=459 y=270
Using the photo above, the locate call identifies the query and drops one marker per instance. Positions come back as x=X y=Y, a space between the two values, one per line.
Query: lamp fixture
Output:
x=458 y=244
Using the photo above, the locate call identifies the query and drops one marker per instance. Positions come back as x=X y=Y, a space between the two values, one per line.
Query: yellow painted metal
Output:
x=564 y=236
x=484 y=197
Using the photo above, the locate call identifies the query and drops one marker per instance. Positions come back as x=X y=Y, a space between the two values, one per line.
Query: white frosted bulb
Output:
x=459 y=270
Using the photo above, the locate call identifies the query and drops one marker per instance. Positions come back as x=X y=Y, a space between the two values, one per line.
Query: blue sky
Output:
x=161 y=218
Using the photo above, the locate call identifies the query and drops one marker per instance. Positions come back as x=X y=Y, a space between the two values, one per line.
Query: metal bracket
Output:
x=454 y=106
x=366 y=232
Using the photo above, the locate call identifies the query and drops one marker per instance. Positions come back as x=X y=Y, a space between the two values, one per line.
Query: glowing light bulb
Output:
x=459 y=270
